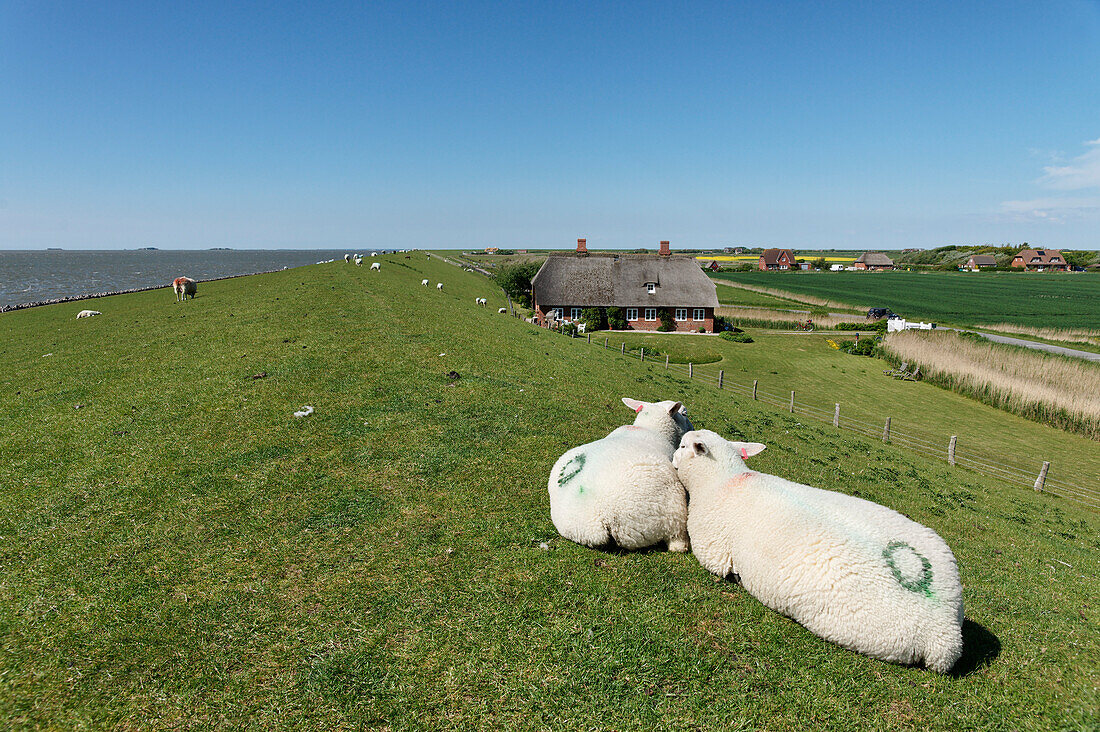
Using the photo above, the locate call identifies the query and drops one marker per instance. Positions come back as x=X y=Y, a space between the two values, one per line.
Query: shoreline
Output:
x=94 y=295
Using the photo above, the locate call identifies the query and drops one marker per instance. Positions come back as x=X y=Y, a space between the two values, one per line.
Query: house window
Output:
x=575 y=313
x=651 y=313
x=555 y=313
x=651 y=288
x=699 y=314
x=681 y=313
x=632 y=313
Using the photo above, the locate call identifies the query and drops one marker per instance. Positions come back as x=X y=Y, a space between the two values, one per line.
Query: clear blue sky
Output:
x=374 y=124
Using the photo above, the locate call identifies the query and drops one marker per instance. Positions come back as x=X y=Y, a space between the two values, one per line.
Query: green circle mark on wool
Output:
x=571 y=469
x=921 y=584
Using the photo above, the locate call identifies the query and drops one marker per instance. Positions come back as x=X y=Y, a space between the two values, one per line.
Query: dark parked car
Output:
x=879 y=314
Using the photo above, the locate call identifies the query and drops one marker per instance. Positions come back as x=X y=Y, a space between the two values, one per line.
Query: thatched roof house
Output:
x=643 y=285
x=873 y=260
x=1040 y=260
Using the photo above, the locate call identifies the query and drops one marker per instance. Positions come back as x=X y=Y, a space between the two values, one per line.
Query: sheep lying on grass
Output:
x=88 y=313
x=855 y=573
x=623 y=487
x=502 y=310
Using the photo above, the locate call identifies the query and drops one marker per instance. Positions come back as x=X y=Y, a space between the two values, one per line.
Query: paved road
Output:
x=1061 y=350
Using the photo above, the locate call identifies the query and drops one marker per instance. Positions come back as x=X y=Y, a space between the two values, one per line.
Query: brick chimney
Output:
x=665 y=250
x=582 y=246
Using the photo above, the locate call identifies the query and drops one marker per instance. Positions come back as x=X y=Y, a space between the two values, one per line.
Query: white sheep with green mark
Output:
x=855 y=573
x=623 y=488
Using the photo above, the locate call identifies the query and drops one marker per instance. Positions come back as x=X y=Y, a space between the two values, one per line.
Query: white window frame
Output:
x=681 y=314
x=699 y=314
x=574 y=313
x=651 y=288
x=632 y=313
x=556 y=312
x=648 y=312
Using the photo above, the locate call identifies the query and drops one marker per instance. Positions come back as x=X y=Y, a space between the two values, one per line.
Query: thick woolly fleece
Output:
x=623 y=488
x=856 y=573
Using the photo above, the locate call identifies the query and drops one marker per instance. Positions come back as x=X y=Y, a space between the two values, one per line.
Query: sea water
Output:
x=33 y=276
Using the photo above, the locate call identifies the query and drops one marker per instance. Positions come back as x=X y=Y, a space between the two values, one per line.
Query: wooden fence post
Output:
x=590 y=339
x=886 y=431
x=754 y=382
x=951 y=450
x=690 y=370
x=666 y=360
x=721 y=377
x=792 y=402
x=836 y=416
x=1042 y=479
x=643 y=355
x=624 y=348
x=605 y=343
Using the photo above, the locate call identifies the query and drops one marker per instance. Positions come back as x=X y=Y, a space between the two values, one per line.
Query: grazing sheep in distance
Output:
x=88 y=313
x=623 y=487
x=358 y=261
x=439 y=286
x=851 y=571
x=376 y=266
x=347 y=258
x=183 y=287
x=480 y=301
x=502 y=310
x=424 y=282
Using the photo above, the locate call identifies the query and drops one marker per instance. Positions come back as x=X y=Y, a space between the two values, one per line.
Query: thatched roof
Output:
x=875 y=259
x=619 y=280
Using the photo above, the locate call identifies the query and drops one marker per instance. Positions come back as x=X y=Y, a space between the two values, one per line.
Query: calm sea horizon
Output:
x=28 y=276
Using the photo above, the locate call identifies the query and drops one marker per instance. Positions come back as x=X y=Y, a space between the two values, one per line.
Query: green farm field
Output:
x=1052 y=300
x=179 y=551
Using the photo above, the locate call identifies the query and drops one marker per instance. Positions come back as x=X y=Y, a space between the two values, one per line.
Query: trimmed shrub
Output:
x=738 y=337
x=667 y=323
x=616 y=319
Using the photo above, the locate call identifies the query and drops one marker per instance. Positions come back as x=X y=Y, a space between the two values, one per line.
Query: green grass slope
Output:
x=180 y=551
x=1040 y=300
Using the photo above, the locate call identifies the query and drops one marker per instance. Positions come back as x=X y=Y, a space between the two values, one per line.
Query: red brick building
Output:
x=778 y=259
x=643 y=285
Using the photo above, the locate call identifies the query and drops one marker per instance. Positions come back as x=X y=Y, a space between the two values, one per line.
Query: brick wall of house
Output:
x=640 y=323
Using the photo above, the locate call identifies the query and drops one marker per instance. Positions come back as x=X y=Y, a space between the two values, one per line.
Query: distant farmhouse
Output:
x=978 y=261
x=733 y=250
x=1040 y=260
x=643 y=285
x=873 y=260
x=776 y=259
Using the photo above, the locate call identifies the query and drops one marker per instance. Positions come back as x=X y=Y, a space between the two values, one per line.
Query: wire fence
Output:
x=1034 y=475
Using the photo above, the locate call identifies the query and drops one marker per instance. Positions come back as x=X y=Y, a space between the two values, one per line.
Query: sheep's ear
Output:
x=748 y=449
x=676 y=407
x=633 y=404
x=699 y=447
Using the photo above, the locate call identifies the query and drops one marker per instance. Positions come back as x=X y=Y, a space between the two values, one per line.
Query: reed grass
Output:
x=1056 y=390
x=768 y=318
x=1066 y=335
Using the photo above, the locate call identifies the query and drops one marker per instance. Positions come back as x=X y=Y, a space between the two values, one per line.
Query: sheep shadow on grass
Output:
x=980 y=648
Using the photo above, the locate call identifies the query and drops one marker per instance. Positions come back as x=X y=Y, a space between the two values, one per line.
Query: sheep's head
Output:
x=706 y=451
x=668 y=418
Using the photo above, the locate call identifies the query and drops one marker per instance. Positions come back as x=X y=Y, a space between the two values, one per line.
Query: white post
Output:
x=1042 y=479
x=951 y=450
x=836 y=416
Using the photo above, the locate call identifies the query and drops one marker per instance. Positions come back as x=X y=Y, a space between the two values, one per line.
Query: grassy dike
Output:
x=181 y=551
